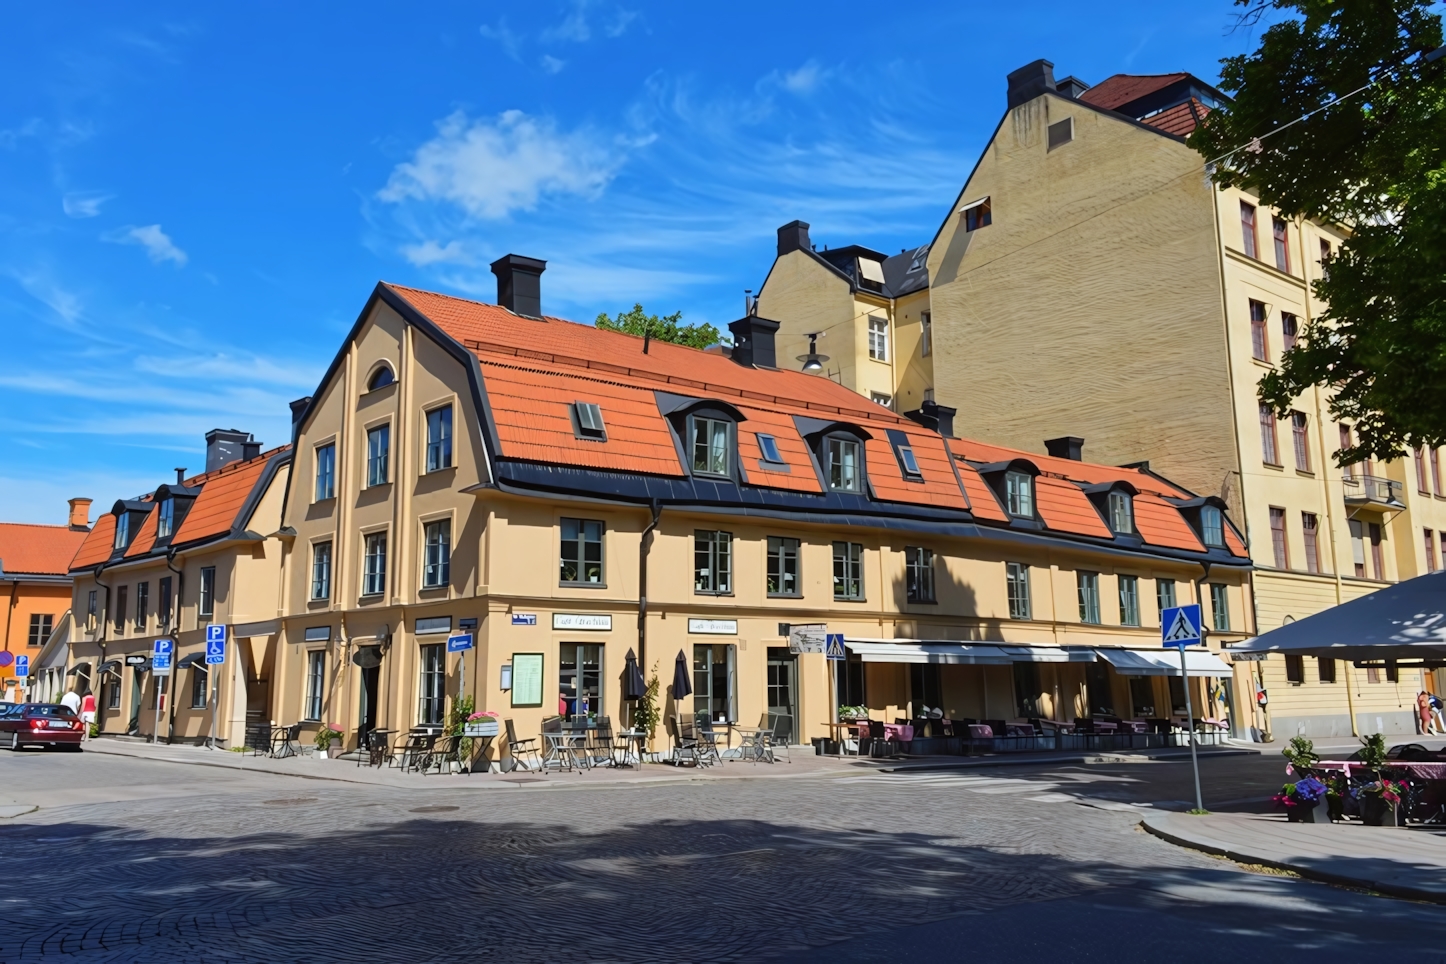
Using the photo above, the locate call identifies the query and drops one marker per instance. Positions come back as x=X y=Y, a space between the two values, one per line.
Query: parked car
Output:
x=41 y=724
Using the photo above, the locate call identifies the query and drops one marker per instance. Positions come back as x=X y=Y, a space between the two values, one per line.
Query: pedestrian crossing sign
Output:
x=835 y=647
x=1180 y=626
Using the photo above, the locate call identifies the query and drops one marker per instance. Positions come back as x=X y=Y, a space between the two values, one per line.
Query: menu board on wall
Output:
x=526 y=679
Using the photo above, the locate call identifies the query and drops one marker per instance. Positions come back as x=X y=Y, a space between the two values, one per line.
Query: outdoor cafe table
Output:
x=624 y=756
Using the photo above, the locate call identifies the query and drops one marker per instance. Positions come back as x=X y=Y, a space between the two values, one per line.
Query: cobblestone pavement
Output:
x=157 y=861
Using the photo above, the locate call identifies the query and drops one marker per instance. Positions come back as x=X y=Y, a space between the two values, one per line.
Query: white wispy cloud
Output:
x=84 y=204
x=510 y=42
x=490 y=168
x=551 y=64
x=430 y=252
x=159 y=246
x=803 y=80
x=573 y=27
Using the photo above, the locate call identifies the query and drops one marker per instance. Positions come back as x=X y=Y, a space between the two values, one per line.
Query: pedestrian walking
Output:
x=1423 y=710
x=71 y=699
x=87 y=714
x=1436 y=705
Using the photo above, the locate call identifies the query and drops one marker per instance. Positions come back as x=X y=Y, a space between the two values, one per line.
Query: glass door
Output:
x=580 y=681
x=713 y=675
x=783 y=693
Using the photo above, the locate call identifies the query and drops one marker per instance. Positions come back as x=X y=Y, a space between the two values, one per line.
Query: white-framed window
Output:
x=1212 y=524
x=143 y=603
x=1164 y=594
x=1019 y=494
x=315 y=683
x=321 y=570
x=374 y=564
x=1122 y=513
x=919 y=574
x=842 y=455
x=709 y=444
x=580 y=677
x=880 y=398
x=712 y=562
x=878 y=338
x=207 y=604
x=439 y=438
x=926 y=334
x=379 y=448
x=582 y=552
x=431 y=684
x=437 y=566
x=910 y=462
x=783 y=566
x=1219 y=607
x=715 y=697
x=1088 y=584
x=166 y=518
x=848 y=570
x=1016 y=579
x=1129 y=600
x=325 y=472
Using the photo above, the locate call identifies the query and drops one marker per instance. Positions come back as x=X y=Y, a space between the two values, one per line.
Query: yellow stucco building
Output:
x=1090 y=281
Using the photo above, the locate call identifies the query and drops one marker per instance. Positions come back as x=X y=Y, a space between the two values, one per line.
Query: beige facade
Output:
x=1112 y=295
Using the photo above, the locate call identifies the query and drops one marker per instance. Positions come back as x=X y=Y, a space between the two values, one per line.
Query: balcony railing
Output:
x=1372 y=490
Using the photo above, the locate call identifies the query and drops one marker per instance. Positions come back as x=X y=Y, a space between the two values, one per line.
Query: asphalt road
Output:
x=132 y=860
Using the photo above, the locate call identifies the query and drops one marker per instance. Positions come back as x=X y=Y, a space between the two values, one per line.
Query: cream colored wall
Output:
x=913 y=370
x=804 y=296
x=1091 y=305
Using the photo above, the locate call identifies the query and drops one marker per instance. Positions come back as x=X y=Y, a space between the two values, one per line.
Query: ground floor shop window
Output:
x=1177 y=695
x=714 y=683
x=198 y=687
x=851 y=681
x=1142 y=697
x=580 y=680
x=925 y=689
x=1098 y=690
x=431 y=684
x=1026 y=689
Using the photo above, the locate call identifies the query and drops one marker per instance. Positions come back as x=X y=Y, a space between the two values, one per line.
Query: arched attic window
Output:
x=1115 y=502
x=839 y=449
x=381 y=378
x=708 y=432
x=1013 y=484
x=1206 y=515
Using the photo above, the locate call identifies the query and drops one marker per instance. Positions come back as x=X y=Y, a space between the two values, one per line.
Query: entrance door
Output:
x=368 y=710
x=138 y=683
x=783 y=693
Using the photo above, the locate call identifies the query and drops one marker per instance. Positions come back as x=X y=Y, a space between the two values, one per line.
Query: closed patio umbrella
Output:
x=633 y=685
x=681 y=685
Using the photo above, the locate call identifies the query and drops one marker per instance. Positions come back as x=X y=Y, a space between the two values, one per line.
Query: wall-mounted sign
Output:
x=524 y=619
x=459 y=643
x=434 y=624
x=137 y=660
x=713 y=627
x=526 y=679
x=588 y=621
x=807 y=637
x=506 y=683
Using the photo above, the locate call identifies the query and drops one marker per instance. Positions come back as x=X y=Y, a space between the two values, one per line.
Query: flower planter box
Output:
x=1378 y=812
x=1306 y=813
x=480 y=728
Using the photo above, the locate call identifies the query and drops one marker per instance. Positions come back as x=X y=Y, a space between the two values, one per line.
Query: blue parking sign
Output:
x=215 y=651
x=215 y=632
x=164 y=647
x=22 y=665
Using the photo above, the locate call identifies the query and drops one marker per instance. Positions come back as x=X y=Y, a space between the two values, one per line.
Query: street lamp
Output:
x=813 y=361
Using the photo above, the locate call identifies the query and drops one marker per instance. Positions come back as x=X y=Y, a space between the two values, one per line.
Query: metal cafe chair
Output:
x=774 y=740
x=685 y=743
x=440 y=755
x=602 y=752
x=707 y=748
x=524 y=753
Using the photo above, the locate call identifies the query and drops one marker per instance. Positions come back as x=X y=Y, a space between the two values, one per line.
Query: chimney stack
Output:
x=753 y=342
x=224 y=446
x=297 y=408
x=1066 y=447
x=793 y=236
x=80 y=513
x=1029 y=81
x=934 y=416
x=180 y=475
x=519 y=284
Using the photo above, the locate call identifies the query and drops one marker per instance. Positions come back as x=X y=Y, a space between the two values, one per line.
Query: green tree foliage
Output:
x=1374 y=163
x=666 y=328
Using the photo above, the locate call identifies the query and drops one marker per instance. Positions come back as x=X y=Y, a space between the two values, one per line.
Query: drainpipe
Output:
x=175 y=631
x=10 y=612
x=644 y=545
x=101 y=619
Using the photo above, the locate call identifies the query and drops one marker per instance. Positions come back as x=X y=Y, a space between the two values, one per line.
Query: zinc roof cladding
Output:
x=899 y=280
x=1113 y=92
x=497 y=335
x=98 y=545
x=531 y=410
x=38 y=550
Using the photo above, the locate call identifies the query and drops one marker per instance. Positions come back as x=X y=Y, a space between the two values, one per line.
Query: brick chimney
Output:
x=80 y=514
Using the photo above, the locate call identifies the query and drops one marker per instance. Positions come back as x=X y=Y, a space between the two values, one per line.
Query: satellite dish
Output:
x=368 y=657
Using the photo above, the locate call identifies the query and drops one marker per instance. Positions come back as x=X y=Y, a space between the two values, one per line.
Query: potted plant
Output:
x=853 y=714
x=648 y=713
x=1337 y=791
x=1301 y=800
x=328 y=734
x=1380 y=802
x=1300 y=753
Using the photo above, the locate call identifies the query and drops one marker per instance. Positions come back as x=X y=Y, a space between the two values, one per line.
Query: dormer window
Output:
x=843 y=458
x=871 y=274
x=122 y=530
x=708 y=441
x=1212 y=526
x=381 y=378
x=768 y=445
x=977 y=214
x=1122 y=513
x=1019 y=494
x=166 y=519
x=588 y=420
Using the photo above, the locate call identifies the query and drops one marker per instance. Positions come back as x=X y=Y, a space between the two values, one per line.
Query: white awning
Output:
x=1163 y=662
x=871 y=270
x=910 y=651
x=1048 y=654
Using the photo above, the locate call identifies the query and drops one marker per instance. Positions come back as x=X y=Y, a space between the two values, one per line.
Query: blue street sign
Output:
x=216 y=650
x=1180 y=626
x=524 y=619
x=22 y=665
x=215 y=633
x=834 y=646
x=161 y=663
x=164 y=647
x=459 y=643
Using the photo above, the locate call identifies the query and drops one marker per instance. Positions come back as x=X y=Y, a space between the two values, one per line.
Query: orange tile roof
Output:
x=27 y=549
x=938 y=488
x=1064 y=506
x=800 y=476
x=145 y=536
x=1180 y=120
x=98 y=545
x=1161 y=524
x=1087 y=472
x=1121 y=89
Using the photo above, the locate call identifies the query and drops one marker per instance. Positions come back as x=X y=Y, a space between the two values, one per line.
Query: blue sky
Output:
x=196 y=200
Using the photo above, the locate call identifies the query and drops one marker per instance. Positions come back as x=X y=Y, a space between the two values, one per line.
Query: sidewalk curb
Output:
x=1204 y=844
x=1145 y=756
